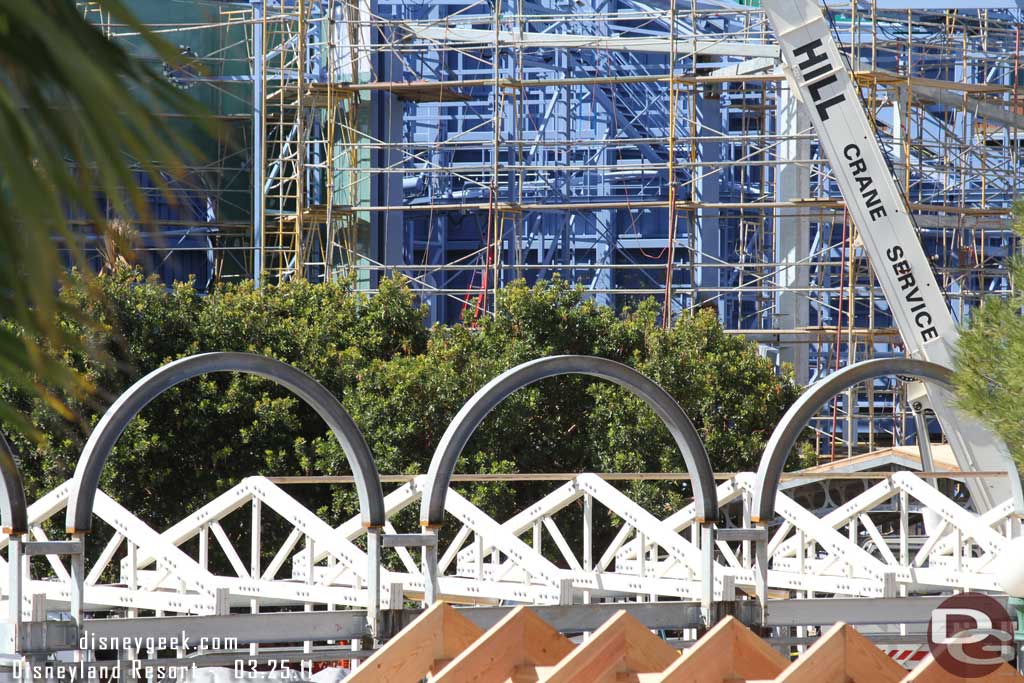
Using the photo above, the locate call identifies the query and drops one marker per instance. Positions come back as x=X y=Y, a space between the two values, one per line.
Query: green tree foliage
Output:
x=402 y=384
x=990 y=362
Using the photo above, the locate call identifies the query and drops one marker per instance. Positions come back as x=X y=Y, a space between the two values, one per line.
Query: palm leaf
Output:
x=77 y=122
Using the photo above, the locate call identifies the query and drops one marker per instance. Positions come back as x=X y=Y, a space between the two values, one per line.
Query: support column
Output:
x=15 y=569
x=761 y=575
x=78 y=589
x=437 y=252
x=255 y=557
x=373 y=554
x=707 y=553
x=605 y=224
x=386 y=112
x=606 y=236
x=430 y=569
x=707 y=184
x=792 y=230
x=438 y=186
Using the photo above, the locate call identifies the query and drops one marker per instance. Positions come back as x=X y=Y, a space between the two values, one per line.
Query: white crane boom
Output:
x=821 y=76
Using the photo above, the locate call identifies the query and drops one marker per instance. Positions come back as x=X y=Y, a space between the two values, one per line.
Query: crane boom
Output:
x=821 y=76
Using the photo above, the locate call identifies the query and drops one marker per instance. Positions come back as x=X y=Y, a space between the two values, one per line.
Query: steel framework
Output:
x=901 y=536
x=637 y=149
x=874 y=546
x=866 y=548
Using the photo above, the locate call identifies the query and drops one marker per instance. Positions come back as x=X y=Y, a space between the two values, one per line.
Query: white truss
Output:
x=862 y=549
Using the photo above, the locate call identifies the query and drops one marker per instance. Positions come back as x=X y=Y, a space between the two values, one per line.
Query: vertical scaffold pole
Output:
x=257 y=140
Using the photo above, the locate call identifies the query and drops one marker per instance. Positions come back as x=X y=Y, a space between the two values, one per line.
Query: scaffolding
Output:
x=637 y=149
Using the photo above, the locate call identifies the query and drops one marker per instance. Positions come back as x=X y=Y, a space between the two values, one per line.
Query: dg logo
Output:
x=971 y=635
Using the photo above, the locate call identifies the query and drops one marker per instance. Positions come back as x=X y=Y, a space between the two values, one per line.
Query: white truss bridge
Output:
x=885 y=556
x=864 y=548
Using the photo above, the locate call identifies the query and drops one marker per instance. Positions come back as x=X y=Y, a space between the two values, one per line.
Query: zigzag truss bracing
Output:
x=864 y=548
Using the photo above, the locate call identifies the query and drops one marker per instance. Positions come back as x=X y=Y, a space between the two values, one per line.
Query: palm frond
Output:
x=78 y=122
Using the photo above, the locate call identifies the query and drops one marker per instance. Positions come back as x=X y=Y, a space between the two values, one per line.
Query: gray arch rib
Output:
x=139 y=395
x=782 y=440
x=469 y=417
x=13 y=506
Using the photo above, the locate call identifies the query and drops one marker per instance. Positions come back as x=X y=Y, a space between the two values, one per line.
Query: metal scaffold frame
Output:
x=636 y=150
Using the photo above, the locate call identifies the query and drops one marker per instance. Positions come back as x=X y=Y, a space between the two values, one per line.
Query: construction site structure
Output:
x=886 y=552
x=887 y=549
x=637 y=150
